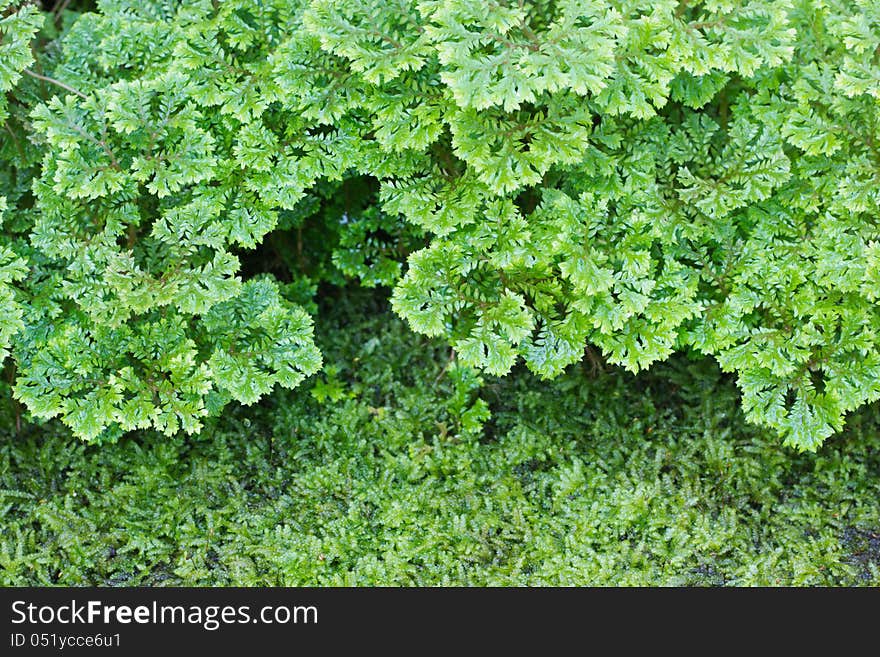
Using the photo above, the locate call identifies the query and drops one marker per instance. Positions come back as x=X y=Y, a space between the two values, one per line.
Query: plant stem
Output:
x=58 y=83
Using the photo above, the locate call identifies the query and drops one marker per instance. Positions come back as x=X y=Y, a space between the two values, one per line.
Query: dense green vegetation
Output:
x=440 y=292
x=387 y=470
x=533 y=178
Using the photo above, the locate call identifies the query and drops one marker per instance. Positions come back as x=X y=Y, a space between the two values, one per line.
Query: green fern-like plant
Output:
x=644 y=178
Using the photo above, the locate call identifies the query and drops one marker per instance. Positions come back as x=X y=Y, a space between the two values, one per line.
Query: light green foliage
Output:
x=707 y=181
x=19 y=22
x=157 y=171
x=11 y=268
x=400 y=478
x=641 y=177
x=259 y=340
